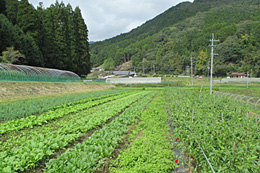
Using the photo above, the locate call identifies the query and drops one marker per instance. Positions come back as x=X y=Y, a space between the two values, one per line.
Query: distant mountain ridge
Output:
x=165 y=43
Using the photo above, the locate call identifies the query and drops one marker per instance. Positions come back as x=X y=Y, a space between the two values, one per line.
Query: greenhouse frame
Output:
x=11 y=72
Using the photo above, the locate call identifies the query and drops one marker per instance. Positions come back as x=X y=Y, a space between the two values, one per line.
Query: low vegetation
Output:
x=135 y=130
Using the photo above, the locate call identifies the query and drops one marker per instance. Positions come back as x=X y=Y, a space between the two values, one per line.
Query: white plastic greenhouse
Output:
x=13 y=72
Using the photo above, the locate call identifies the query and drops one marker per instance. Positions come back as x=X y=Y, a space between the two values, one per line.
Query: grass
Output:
x=17 y=91
x=253 y=89
x=252 y=92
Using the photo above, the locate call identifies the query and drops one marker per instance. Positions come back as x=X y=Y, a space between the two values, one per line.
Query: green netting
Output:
x=10 y=72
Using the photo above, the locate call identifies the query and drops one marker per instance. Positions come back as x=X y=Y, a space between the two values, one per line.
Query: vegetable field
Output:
x=214 y=133
x=129 y=131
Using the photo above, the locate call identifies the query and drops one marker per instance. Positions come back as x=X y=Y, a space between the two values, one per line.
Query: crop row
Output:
x=16 y=138
x=84 y=157
x=214 y=128
x=151 y=149
x=21 y=109
x=41 y=146
x=31 y=121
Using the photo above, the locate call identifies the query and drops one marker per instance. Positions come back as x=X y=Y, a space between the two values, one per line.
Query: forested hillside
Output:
x=54 y=37
x=167 y=42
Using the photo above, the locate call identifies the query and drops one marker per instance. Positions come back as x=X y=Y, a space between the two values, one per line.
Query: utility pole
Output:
x=212 y=56
x=247 y=79
x=191 y=58
x=151 y=68
x=208 y=70
x=187 y=70
x=143 y=65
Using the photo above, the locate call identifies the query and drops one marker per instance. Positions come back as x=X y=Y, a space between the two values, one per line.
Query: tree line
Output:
x=165 y=44
x=53 y=37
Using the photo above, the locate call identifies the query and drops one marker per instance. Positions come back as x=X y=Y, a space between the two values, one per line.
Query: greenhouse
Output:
x=11 y=72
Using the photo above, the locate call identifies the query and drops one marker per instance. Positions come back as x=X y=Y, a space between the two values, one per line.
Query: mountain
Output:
x=166 y=43
x=91 y=42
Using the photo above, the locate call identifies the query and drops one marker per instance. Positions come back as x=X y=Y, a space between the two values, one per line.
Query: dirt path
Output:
x=23 y=90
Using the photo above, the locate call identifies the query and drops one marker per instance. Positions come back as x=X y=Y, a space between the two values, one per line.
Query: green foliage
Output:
x=85 y=156
x=214 y=124
x=12 y=10
x=2 y=7
x=10 y=55
x=12 y=36
x=55 y=37
x=23 y=109
x=202 y=62
x=167 y=41
x=81 y=55
x=47 y=139
x=150 y=149
x=109 y=64
x=27 y=19
x=18 y=124
x=86 y=129
x=65 y=45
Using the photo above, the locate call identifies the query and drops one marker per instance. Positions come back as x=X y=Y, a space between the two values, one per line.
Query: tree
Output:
x=80 y=56
x=7 y=34
x=42 y=31
x=11 y=55
x=201 y=62
x=60 y=24
x=50 y=48
x=109 y=64
x=56 y=37
x=27 y=46
x=229 y=51
x=13 y=36
x=27 y=19
x=2 y=7
x=12 y=10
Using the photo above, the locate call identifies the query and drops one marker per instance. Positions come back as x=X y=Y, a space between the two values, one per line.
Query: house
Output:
x=124 y=73
x=237 y=75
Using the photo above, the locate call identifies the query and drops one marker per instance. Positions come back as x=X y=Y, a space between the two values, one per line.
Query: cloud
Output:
x=108 y=18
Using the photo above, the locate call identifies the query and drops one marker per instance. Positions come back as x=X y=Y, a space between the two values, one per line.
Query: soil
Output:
x=22 y=90
x=125 y=66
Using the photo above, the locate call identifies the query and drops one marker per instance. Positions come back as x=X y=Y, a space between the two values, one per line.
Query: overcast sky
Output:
x=108 y=18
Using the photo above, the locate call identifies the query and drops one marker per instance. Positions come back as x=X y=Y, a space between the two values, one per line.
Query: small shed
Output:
x=237 y=75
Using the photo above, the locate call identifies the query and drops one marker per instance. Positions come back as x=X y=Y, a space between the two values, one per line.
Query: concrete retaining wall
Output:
x=134 y=80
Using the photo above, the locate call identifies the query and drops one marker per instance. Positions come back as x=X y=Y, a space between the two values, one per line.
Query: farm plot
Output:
x=21 y=109
x=128 y=131
x=86 y=156
x=29 y=142
x=214 y=128
x=57 y=112
x=14 y=137
x=150 y=149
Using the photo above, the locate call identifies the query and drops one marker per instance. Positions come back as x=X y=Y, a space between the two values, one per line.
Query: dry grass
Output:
x=13 y=91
